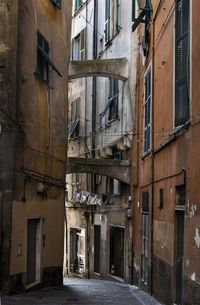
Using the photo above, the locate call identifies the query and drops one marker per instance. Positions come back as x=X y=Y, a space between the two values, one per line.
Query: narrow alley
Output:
x=79 y=291
x=99 y=152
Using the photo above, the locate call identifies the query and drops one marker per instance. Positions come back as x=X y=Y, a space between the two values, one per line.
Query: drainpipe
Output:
x=94 y=96
x=152 y=176
x=94 y=87
x=86 y=92
x=94 y=84
x=135 y=185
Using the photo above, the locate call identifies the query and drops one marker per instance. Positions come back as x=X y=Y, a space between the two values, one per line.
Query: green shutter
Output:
x=57 y=3
x=182 y=62
x=147 y=112
x=78 y=4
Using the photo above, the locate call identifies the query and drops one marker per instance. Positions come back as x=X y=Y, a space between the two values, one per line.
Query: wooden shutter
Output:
x=118 y=15
x=182 y=62
x=107 y=21
x=57 y=3
x=147 y=112
x=115 y=99
x=78 y=109
x=73 y=111
x=82 y=46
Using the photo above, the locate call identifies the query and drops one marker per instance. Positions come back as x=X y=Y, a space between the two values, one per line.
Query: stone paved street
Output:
x=80 y=292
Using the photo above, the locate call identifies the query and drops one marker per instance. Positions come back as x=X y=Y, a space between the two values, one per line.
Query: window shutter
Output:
x=78 y=109
x=182 y=65
x=115 y=99
x=147 y=112
x=118 y=15
x=75 y=7
x=73 y=111
x=72 y=50
x=82 y=48
x=107 y=21
x=57 y=3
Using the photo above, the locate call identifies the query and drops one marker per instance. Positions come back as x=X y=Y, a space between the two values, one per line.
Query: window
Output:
x=117 y=16
x=74 y=184
x=161 y=199
x=78 y=4
x=180 y=195
x=57 y=3
x=42 y=53
x=147 y=112
x=78 y=46
x=182 y=62
x=112 y=18
x=144 y=8
x=112 y=105
x=43 y=60
x=107 y=21
x=113 y=186
x=73 y=129
x=113 y=97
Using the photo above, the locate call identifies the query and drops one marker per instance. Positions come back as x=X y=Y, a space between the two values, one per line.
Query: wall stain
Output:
x=197 y=238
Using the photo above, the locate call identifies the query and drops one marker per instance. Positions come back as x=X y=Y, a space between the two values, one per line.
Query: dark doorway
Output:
x=73 y=250
x=180 y=258
x=179 y=242
x=145 y=238
x=33 y=250
x=77 y=250
x=117 y=250
x=97 y=242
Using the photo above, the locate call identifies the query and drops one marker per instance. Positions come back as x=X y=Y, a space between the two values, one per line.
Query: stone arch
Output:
x=115 y=68
x=116 y=169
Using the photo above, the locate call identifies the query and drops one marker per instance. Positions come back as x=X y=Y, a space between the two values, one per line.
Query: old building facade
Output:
x=165 y=168
x=162 y=254
x=34 y=57
x=101 y=112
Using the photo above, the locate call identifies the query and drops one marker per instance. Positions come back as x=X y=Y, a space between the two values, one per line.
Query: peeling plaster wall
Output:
x=124 y=44
x=39 y=154
x=8 y=104
x=172 y=152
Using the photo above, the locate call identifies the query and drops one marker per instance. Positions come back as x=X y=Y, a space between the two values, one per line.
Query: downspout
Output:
x=152 y=176
x=94 y=87
x=135 y=185
x=86 y=91
x=94 y=97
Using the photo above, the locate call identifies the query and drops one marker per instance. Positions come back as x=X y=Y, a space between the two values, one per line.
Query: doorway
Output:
x=145 y=238
x=117 y=251
x=33 y=251
x=77 y=251
x=97 y=242
x=180 y=257
x=179 y=242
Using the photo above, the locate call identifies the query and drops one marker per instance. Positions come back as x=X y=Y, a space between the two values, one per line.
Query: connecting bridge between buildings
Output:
x=116 y=169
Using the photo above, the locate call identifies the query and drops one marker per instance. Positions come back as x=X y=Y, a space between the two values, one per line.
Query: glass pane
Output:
x=116 y=187
x=77 y=109
x=73 y=111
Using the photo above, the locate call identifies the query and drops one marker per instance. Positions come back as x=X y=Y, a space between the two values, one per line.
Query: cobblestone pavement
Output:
x=81 y=292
